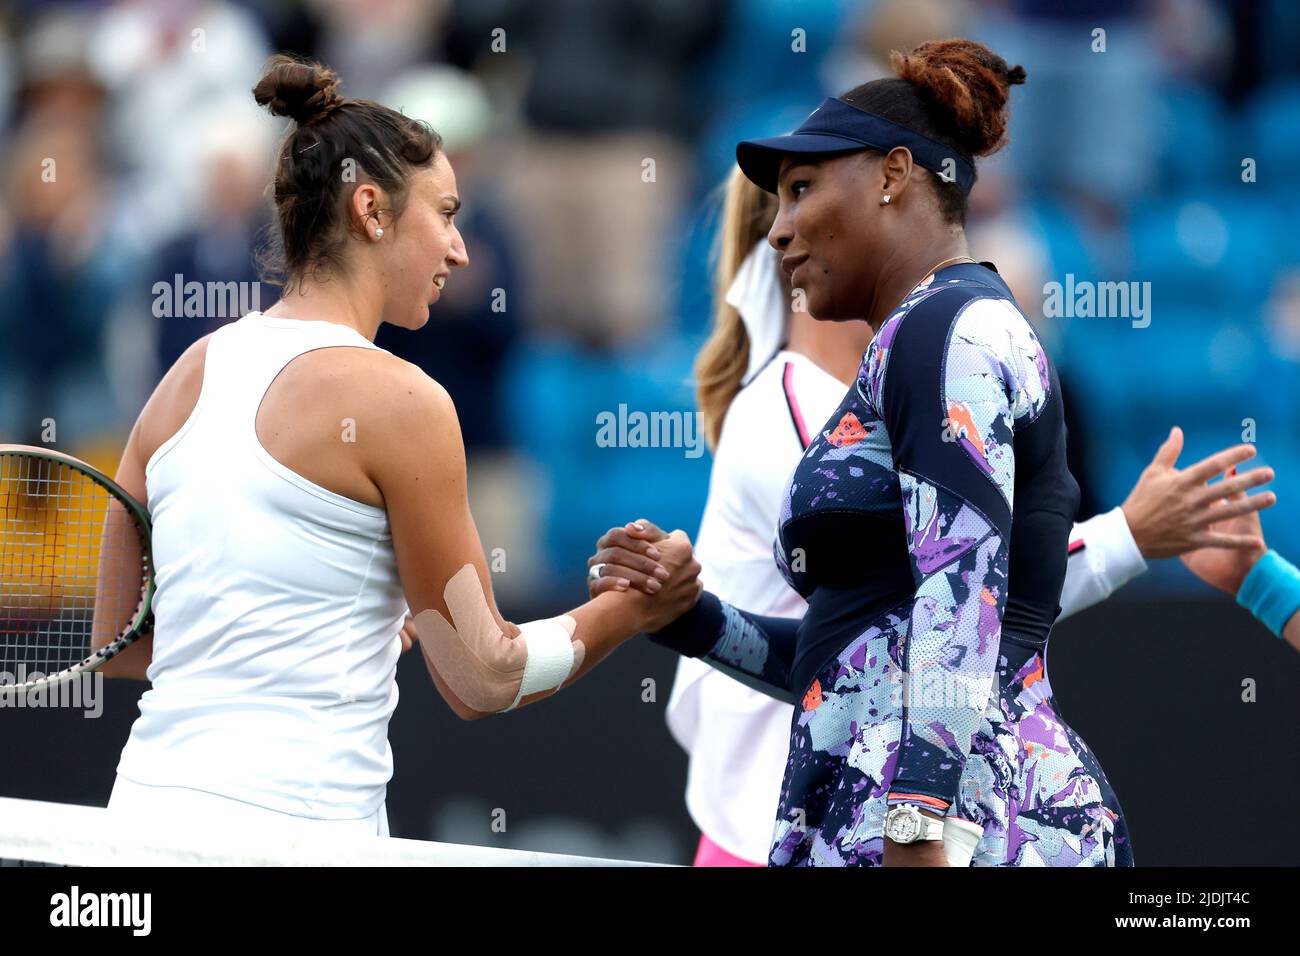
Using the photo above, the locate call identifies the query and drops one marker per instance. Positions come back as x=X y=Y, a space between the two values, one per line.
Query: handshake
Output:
x=656 y=569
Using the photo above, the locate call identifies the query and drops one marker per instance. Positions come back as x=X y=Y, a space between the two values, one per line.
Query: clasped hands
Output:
x=656 y=569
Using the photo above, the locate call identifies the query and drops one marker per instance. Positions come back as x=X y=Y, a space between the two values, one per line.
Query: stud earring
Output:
x=379 y=233
x=884 y=200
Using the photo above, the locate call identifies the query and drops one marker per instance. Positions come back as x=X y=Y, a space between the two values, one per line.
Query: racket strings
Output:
x=67 y=574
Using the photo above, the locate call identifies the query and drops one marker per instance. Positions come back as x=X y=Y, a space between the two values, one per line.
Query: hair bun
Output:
x=968 y=83
x=301 y=90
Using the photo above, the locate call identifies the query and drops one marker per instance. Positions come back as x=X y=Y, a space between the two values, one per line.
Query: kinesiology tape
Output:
x=486 y=668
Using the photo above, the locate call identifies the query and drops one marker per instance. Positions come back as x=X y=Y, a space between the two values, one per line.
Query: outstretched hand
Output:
x=1226 y=568
x=1172 y=512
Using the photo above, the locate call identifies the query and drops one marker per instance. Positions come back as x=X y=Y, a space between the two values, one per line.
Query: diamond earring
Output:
x=884 y=200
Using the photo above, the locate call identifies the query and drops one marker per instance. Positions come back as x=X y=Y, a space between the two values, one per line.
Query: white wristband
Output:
x=1112 y=553
x=550 y=655
x=960 y=838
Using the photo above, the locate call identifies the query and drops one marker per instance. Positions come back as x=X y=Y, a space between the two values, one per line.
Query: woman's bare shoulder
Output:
x=395 y=400
x=377 y=378
x=173 y=400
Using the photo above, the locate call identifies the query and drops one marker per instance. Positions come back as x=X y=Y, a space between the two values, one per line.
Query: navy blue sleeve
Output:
x=752 y=648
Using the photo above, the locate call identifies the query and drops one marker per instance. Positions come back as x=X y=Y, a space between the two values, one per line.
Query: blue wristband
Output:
x=1271 y=591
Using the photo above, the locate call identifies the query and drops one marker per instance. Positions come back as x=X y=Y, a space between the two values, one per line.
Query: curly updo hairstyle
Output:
x=334 y=144
x=952 y=91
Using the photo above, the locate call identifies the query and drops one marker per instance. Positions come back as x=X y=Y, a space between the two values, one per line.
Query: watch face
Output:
x=903 y=828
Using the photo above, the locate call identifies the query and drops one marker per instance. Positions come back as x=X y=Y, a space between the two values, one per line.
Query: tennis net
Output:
x=35 y=833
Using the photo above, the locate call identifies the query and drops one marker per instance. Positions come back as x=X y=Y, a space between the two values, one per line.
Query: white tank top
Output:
x=739 y=739
x=278 y=605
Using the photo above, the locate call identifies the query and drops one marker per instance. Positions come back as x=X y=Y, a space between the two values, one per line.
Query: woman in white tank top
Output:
x=306 y=488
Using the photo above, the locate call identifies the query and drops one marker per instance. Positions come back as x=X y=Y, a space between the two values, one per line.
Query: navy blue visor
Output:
x=836 y=128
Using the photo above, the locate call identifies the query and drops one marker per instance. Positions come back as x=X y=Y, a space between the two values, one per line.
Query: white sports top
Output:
x=739 y=739
x=278 y=606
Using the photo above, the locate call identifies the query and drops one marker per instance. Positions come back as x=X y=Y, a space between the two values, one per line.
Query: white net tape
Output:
x=52 y=833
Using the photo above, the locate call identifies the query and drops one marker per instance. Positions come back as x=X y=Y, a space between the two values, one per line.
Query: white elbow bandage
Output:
x=486 y=668
x=552 y=653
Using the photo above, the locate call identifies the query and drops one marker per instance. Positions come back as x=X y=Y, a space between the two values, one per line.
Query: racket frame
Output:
x=143 y=619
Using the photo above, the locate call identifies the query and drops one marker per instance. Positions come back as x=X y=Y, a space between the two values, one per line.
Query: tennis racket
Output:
x=76 y=569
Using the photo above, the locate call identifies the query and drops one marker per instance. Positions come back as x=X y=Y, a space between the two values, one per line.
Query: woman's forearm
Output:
x=1271 y=592
x=754 y=649
x=605 y=622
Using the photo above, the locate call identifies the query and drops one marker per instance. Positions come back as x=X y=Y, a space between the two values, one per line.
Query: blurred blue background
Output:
x=1126 y=164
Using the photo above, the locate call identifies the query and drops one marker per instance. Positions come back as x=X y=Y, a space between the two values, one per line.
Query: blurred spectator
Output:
x=597 y=178
x=371 y=42
x=471 y=329
x=863 y=48
x=59 y=276
x=594 y=65
x=166 y=62
x=55 y=71
x=1082 y=123
x=59 y=269
x=235 y=155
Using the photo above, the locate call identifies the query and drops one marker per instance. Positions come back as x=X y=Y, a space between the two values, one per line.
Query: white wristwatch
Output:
x=906 y=823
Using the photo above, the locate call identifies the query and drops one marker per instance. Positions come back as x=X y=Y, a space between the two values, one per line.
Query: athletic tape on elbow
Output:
x=485 y=667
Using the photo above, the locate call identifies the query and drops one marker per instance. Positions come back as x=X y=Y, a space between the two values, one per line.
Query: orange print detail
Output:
x=959 y=417
x=848 y=432
x=987 y=597
x=1034 y=676
x=813 y=699
x=921 y=798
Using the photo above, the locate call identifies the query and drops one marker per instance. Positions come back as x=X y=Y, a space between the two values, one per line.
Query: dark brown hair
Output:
x=314 y=179
x=953 y=91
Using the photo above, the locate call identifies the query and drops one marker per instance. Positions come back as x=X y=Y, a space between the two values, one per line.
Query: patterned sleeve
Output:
x=754 y=649
x=951 y=391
